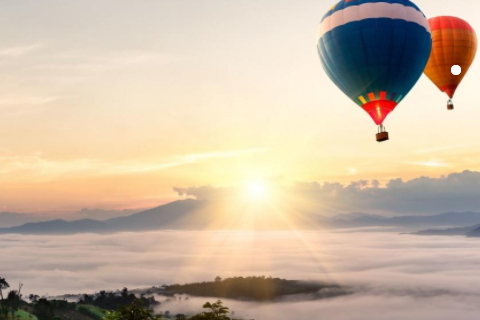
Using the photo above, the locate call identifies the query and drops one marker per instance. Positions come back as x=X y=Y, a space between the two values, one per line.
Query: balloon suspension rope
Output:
x=382 y=135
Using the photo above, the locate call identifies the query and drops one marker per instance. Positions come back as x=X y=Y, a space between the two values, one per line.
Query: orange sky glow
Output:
x=100 y=110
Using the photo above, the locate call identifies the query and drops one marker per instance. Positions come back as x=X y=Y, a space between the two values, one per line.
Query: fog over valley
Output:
x=400 y=276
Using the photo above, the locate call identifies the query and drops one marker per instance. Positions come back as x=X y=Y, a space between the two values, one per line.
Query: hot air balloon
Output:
x=375 y=51
x=454 y=47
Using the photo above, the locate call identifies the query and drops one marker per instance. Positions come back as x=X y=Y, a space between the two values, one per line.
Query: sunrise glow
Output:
x=257 y=190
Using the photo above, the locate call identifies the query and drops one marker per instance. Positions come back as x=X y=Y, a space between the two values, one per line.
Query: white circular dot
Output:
x=456 y=70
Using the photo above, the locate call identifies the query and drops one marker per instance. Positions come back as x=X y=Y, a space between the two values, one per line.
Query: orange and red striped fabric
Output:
x=454 y=43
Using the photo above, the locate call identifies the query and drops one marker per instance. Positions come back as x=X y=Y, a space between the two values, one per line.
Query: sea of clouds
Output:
x=394 y=276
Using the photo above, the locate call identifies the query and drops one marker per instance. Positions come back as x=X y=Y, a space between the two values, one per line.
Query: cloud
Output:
x=19 y=50
x=423 y=195
x=26 y=101
x=446 y=149
x=396 y=276
x=37 y=167
x=191 y=158
x=137 y=58
x=354 y=307
x=88 y=63
x=23 y=105
x=431 y=163
x=352 y=171
x=205 y=193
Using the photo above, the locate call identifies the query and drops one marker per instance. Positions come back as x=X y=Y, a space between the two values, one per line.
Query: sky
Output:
x=428 y=278
x=112 y=104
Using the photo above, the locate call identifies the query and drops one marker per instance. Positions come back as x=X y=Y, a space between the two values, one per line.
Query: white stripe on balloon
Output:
x=372 y=11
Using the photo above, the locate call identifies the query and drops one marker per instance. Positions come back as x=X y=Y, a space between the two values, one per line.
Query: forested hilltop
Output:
x=140 y=304
x=256 y=288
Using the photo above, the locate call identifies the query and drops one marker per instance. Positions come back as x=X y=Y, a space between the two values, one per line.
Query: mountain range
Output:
x=166 y=216
x=207 y=215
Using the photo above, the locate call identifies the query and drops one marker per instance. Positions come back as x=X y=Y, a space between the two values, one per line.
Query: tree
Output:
x=87 y=299
x=13 y=301
x=33 y=297
x=133 y=311
x=217 y=312
x=3 y=286
x=43 y=309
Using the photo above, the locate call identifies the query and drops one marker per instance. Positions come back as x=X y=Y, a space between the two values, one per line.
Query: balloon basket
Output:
x=450 y=105
x=382 y=136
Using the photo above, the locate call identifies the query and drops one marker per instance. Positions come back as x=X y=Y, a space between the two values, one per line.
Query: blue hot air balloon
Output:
x=375 y=51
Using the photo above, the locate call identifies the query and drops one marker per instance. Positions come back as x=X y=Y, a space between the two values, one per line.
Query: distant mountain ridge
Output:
x=449 y=219
x=469 y=231
x=460 y=231
x=475 y=233
x=13 y=219
x=206 y=215
x=153 y=219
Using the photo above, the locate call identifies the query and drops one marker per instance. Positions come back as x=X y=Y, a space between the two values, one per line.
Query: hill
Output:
x=475 y=233
x=24 y=315
x=462 y=231
x=257 y=289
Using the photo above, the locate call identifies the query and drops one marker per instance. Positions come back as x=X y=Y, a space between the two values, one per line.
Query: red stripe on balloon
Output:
x=379 y=110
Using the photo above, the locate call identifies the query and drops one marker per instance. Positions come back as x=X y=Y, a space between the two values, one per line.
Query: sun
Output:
x=256 y=190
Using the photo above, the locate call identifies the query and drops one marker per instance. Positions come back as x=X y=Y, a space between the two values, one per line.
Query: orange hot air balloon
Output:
x=454 y=46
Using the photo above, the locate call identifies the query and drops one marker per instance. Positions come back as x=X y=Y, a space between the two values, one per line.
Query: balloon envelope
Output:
x=375 y=51
x=454 y=43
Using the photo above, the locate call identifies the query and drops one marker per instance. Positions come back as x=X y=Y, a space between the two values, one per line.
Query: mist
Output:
x=396 y=276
